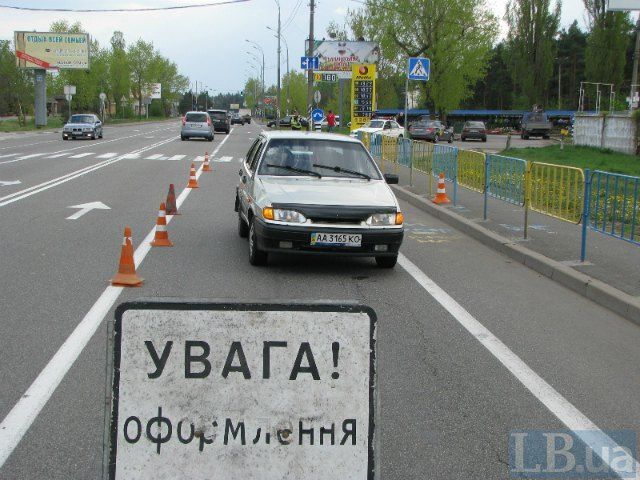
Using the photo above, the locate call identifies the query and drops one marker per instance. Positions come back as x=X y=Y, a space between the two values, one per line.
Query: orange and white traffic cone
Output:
x=193 y=182
x=161 y=238
x=126 y=276
x=172 y=207
x=441 y=194
x=205 y=166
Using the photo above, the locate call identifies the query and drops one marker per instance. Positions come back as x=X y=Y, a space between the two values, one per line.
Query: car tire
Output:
x=462 y=139
x=243 y=229
x=257 y=257
x=100 y=134
x=484 y=139
x=210 y=138
x=387 y=262
x=65 y=138
x=182 y=138
x=450 y=139
x=227 y=132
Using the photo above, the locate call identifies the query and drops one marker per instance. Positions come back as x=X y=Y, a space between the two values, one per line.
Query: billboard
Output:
x=155 y=90
x=338 y=56
x=623 y=5
x=52 y=50
x=363 y=94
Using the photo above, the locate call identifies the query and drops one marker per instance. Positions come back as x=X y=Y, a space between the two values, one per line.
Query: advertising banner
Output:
x=52 y=50
x=363 y=94
x=155 y=90
x=338 y=57
x=243 y=390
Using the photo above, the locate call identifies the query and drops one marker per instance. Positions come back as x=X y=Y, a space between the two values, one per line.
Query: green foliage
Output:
x=16 y=91
x=456 y=36
x=532 y=27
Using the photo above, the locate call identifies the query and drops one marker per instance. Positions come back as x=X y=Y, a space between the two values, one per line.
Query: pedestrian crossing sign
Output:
x=419 y=68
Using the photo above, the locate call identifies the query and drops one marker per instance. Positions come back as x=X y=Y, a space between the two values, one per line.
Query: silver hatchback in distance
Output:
x=196 y=124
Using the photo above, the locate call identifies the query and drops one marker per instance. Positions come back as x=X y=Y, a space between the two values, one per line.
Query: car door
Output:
x=251 y=169
x=245 y=174
x=396 y=129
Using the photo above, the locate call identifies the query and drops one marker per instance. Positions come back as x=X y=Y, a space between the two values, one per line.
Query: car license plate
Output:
x=336 y=239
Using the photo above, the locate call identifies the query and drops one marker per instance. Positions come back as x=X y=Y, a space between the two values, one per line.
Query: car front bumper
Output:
x=474 y=135
x=270 y=236
x=188 y=132
x=78 y=134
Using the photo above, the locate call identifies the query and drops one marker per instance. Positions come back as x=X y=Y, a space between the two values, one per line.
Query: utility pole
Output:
x=559 y=84
x=636 y=54
x=279 y=109
x=312 y=6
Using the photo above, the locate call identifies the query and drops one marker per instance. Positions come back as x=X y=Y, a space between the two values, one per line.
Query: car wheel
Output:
x=65 y=138
x=462 y=139
x=243 y=229
x=387 y=262
x=210 y=138
x=526 y=137
x=256 y=257
x=227 y=132
x=484 y=139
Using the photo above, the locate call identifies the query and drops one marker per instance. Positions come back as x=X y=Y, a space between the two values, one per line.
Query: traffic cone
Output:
x=205 y=166
x=126 y=276
x=441 y=195
x=161 y=238
x=172 y=208
x=193 y=182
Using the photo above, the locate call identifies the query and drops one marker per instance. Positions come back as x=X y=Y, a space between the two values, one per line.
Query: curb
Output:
x=595 y=290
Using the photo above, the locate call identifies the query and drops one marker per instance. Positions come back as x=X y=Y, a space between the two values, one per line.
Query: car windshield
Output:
x=434 y=124
x=374 y=124
x=81 y=119
x=303 y=154
x=535 y=117
x=475 y=124
x=420 y=124
x=218 y=115
x=196 y=117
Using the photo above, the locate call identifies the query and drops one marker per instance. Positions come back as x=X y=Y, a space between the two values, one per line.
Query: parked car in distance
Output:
x=316 y=193
x=236 y=119
x=220 y=120
x=82 y=125
x=245 y=113
x=386 y=127
x=196 y=124
x=431 y=130
x=535 y=124
x=474 y=130
x=285 y=122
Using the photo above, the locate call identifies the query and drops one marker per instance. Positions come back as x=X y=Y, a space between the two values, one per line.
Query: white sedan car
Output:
x=386 y=127
x=316 y=193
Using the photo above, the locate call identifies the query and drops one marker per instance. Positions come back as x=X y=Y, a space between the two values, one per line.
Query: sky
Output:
x=209 y=43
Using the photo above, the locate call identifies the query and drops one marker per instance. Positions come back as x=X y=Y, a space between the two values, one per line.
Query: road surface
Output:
x=471 y=346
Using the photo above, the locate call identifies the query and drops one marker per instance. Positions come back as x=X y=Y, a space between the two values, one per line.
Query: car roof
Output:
x=193 y=111
x=289 y=134
x=217 y=110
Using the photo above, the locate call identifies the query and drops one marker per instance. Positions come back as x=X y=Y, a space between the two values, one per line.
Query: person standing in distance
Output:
x=331 y=120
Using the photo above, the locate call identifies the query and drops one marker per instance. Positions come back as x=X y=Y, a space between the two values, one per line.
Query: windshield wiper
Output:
x=294 y=169
x=340 y=170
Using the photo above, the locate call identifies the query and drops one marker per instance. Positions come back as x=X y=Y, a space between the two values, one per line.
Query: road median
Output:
x=596 y=290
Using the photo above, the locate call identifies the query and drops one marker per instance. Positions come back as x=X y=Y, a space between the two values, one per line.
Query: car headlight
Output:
x=280 y=215
x=385 y=219
x=87 y=129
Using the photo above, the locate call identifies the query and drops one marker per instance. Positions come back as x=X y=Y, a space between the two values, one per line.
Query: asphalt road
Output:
x=470 y=345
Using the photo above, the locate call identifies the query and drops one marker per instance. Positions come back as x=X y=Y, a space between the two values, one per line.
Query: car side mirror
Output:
x=391 y=178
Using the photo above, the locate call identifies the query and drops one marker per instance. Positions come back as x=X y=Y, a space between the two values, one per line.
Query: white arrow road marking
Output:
x=86 y=208
x=80 y=155
x=22 y=415
x=11 y=182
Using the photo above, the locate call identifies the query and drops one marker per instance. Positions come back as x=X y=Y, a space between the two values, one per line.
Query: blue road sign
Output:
x=317 y=115
x=419 y=68
x=309 y=63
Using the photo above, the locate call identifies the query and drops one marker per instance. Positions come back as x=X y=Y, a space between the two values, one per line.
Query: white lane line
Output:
x=9 y=155
x=27 y=192
x=155 y=156
x=568 y=414
x=91 y=144
x=58 y=155
x=80 y=155
x=176 y=157
x=131 y=156
x=22 y=415
x=108 y=155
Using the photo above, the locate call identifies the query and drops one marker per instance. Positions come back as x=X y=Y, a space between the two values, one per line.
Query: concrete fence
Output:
x=614 y=131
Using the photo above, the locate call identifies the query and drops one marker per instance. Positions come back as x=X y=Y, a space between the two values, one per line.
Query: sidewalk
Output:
x=610 y=260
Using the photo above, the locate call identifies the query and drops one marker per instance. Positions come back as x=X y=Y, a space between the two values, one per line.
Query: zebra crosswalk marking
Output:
x=176 y=157
x=58 y=155
x=108 y=155
x=81 y=155
x=154 y=157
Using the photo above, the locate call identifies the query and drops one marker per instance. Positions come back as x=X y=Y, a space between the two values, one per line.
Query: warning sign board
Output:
x=236 y=390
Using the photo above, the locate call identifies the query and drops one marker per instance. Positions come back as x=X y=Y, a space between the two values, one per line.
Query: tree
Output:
x=140 y=56
x=571 y=57
x=495 y=90
x=532 y=28
x=119 y=78
x=16 y=89
x=456 y=36
x=607 y=43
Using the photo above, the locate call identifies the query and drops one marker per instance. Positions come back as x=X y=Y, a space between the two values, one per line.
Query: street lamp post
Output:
x=279 y=106
x=259 y=48
x=286 y=44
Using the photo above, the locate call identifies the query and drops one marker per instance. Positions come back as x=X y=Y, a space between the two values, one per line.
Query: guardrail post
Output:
x=585 y=213
x=486 y=185
x=411 y=150
x=455 y=176
x=527 y=198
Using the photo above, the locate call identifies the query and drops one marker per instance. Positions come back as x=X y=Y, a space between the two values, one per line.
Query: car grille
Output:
x=335 y=214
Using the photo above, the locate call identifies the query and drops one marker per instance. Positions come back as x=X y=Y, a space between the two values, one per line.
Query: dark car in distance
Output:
x=474 y=130
x=285 y=122
x=220 y=120
x=236 y=119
